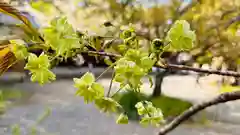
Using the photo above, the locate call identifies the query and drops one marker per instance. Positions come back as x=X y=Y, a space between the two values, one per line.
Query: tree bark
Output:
x=157 y=91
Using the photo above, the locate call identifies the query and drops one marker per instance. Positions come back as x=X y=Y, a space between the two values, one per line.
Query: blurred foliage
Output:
x=167 y=105
x=227 y=88
x=8 y=95
x=129 y=98
x=215 y=22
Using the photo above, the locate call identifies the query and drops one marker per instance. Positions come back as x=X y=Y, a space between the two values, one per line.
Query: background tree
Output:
x=216 y=24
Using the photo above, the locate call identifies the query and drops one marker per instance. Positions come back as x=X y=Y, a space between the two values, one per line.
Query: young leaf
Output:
x=88 y=78
x=88 y=94
x=37 y=63
x=140 y=108
x=38 y=67
x=122 y=119
x=87 y=88
x=145 y=121
x=98 y=88
x=20 y=51
x=150 y=114
x=147 y=62
x=67 y=38
x=107 y=104
x=181 y=36
x=43 y=76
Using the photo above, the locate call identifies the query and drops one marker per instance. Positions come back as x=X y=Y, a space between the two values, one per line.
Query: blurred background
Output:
x=215 y=22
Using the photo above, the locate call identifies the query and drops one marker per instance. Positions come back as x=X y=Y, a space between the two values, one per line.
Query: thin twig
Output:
x=222 y=98
x=110 y=85
x=105 y=71
x=101 y=53
x=177 y=67
x=118 y=90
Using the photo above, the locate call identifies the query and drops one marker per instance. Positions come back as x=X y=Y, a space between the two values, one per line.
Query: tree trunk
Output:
x=157 y=91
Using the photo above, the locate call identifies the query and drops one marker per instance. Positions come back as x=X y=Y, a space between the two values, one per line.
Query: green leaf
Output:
x=130 y=69
x=122 y=48
x=43 y=76
x=19 y=50
x=67 y=38
x=122 y=119
x=38 y=67
x=156 y=115
x=180 y=36
x=140 y=108
x=88 y=94
x=80 y=84
x=133 y=54
x=35 y=63
x=147 y=62
x=87 y=88
x=98 y=88
x=106 y=104
x=150 y=114
x=88 y=78
x=145 y=121
x=120 y=78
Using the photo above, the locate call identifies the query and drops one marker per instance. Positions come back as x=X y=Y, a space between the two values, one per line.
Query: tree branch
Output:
x=222 y=98
x=188 y=7
x=233 y=20
x=199 y=70
x=174 y=66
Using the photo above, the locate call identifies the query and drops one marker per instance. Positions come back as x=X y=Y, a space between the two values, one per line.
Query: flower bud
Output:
x=157 y=44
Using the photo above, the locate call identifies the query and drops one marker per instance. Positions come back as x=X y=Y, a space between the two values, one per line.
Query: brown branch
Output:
x=199 y=70
x=233 y=20
x=174 y=66
x=227 y=13
x=222 y=98
x=101 y=53
x=188 y=7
